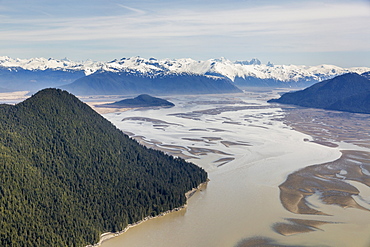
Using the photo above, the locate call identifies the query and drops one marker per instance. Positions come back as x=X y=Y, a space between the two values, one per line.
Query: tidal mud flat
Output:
x=344 y=182
x=247 y=162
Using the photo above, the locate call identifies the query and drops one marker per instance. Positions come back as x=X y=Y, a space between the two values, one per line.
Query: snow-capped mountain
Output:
x=45 y=64
x=240 y=73
x=152 y=66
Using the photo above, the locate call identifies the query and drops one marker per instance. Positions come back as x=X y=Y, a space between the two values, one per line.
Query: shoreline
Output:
x=109 y=235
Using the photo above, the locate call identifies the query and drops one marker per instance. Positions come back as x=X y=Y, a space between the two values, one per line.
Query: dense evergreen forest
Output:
x=143 y=100
x=67 y=174
x=348 y=92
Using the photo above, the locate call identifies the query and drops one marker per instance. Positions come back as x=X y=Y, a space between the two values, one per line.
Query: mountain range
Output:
x=156 y=76
x=349 y=92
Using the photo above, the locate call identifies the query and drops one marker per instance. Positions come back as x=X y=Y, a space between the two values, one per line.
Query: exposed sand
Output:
x=328 y=180
x=198 y=130
x=328 y=126
x=150 y=120
x=101 y=109
x=193 y=139
x=223 y=161
x=196 y=115
x=230 y=143
x=13 y=96
x=230 y=122
x=296 y=226
x=177 y=151
x=331 y=181
x=212 y=138
x=217 y=130
x=205 y=151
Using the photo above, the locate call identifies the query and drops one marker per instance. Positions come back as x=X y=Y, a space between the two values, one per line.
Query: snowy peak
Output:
x=45 y=64
x=254 y=61
x=34 y=63
x=221 y=67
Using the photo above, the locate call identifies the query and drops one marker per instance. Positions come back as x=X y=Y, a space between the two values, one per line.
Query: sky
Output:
x=304 y=32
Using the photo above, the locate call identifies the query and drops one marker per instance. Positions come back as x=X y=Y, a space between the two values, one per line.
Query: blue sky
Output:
x=284 y=32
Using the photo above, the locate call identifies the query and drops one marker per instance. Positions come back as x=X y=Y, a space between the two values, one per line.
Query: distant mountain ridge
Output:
x=126 y=83
x=19 y=79
x=349 y=92
x=240 y=73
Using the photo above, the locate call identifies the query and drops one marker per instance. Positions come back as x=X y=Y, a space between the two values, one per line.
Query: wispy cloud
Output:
x=241 y=22
x=302 y=26
x=137 y=11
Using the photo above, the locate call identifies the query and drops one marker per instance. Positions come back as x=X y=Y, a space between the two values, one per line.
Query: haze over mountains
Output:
x=137 y=75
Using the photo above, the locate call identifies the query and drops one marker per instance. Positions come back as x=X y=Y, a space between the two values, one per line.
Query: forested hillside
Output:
x=143 y=100
x=349 y=92
x=67 y=174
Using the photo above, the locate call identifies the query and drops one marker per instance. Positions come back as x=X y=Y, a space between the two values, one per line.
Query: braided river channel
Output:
x=278 y=175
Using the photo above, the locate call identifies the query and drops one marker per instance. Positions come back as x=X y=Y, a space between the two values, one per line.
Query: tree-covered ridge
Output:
x=143 y=100
x=67 y=174
x=348 y=92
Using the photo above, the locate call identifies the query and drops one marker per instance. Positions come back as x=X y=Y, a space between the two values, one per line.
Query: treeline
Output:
x=67 y=174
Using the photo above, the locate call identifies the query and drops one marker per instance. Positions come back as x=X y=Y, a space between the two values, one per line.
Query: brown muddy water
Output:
x=249 y=148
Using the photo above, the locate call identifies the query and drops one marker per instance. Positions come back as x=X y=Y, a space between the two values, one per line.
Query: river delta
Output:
x=279 y=175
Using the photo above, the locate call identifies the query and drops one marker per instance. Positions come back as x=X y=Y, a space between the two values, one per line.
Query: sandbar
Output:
x=223 y=161
x=14 y=96
x=329 y=181
x=150 y=120
x=327 y=127
x=100 y=107
x=205 y=151
x=296 y=226
x=229 y=143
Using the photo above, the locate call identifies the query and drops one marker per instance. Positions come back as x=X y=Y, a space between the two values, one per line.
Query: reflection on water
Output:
x=246 y=162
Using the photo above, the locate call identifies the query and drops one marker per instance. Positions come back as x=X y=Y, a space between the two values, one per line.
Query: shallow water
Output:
x=242 y=198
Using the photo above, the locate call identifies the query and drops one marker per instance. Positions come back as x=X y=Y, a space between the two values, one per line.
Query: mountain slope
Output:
x=68 y=175
x=142 y=100
x=366 y=75
x=349 y=92
x=126 y=83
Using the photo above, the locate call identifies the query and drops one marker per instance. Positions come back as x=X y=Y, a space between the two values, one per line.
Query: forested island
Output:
x=143 y=100
x=68 y=175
